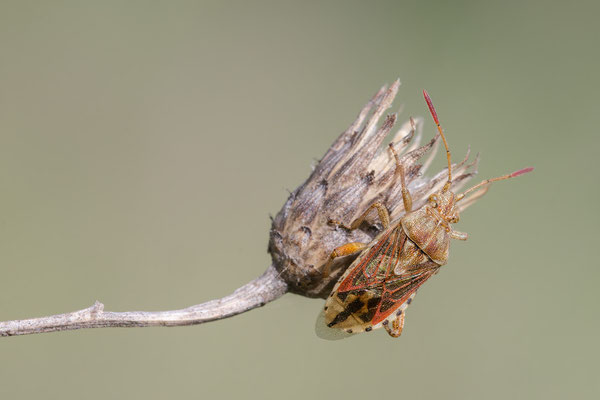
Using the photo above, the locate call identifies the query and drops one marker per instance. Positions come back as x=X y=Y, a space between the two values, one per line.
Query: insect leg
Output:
x=384 y=217
x=458 y=235
x=397 y=324
x=343 y=250
x=406 y=198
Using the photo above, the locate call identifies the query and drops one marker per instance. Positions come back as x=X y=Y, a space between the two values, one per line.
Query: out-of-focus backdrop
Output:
x=143 y=146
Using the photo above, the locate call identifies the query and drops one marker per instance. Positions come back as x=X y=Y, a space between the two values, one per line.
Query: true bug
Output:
x=376 y=289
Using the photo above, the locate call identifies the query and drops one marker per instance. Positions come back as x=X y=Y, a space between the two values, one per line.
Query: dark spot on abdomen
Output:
x=351 y=308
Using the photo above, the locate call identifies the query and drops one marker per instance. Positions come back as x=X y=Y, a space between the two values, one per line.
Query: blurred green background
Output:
x=144 y=144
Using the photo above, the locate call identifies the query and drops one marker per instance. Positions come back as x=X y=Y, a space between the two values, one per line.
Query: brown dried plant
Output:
x=354 y=173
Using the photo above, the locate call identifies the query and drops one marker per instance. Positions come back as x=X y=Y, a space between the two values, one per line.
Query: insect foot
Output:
x=356 y=173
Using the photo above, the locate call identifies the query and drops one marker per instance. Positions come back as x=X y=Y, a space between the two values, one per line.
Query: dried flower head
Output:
x=356 y=172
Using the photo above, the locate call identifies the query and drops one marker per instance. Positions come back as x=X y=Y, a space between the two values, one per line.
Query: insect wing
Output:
x=370 y=291
x=397 y=291
x=326 y=333
x=373 y=268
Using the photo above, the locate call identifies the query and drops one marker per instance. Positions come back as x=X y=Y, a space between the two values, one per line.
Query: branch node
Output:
x=96 y=309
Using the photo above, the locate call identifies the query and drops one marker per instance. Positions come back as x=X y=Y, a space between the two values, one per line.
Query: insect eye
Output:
x=433 y=200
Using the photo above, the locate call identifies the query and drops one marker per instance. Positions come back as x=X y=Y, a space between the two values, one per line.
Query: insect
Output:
x=376 y=289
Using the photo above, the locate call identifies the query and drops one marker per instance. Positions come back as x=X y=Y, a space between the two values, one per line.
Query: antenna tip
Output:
x=430 y=105
x=521 y=172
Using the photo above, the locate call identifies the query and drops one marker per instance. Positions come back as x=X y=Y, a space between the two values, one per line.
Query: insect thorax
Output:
x=429 y=232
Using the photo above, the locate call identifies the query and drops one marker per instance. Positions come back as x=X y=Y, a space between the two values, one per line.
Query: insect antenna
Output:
x=439 y=127
x=488 y=181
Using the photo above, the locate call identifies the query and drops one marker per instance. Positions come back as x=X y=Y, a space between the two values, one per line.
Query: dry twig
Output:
x=257 y=293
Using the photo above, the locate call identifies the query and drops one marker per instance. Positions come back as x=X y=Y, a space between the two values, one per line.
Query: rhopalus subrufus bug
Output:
x=378 y=286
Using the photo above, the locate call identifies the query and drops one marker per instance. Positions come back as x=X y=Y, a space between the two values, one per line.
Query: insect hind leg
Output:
x=395 y=330
x=397 y=322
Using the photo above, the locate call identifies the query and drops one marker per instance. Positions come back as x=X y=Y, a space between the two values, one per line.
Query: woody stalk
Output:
x=355 y=172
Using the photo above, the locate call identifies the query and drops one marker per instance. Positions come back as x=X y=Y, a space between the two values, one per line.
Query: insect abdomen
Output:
x=352 y=311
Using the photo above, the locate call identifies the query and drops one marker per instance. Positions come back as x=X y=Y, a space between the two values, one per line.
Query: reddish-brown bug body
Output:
x=376 y=289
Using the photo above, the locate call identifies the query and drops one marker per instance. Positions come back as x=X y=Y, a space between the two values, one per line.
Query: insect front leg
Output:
x=343 y=250
x=397 y=325
x=406 y=197
x=384 y=217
